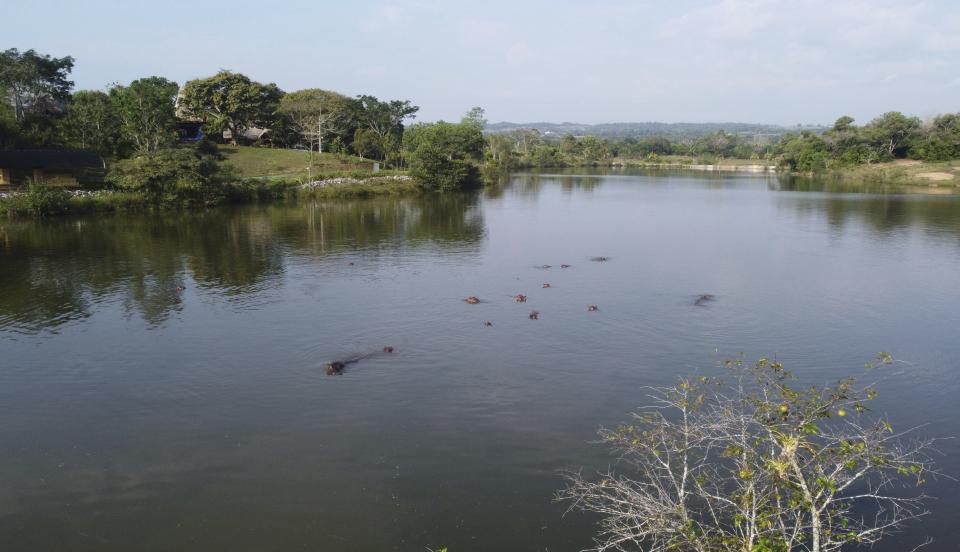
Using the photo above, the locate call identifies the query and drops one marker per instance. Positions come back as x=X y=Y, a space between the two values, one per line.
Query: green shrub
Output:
x=176 y=176
x=444 y=156
x=43 y=200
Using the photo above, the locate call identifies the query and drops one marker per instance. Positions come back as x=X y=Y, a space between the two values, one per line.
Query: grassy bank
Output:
x=40 y=201
x=901 y=173
x=254 y=175
x=253 y=162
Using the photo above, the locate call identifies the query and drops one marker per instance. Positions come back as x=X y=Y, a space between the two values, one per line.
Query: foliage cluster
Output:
x=445 y=156
x=142 y=117
x=172 y=176
x=891 y=136
x=756 y=463
x=529 y=148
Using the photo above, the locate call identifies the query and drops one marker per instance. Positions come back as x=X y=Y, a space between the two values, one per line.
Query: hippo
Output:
x=703 y=300
x=337 y=367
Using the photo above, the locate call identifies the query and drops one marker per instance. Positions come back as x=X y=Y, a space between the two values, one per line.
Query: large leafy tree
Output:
x=942 y=140
x=366 y=143
x=891 y=132
x=385 y=119
x=34 y=83
x=320 y=116
x=92 y=122
x=230 y=101
x=146 y=110
x=804 y=152
x=444 y=156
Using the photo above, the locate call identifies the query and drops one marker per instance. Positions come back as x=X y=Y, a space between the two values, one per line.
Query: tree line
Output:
x=531 y=148
x=889 y=137
x=135 y=126
x=43 y=111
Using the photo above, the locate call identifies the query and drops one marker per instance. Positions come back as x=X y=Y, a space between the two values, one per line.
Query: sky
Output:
x=756 y=61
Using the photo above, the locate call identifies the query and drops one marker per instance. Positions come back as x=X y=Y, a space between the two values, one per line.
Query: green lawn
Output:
x=266 y=162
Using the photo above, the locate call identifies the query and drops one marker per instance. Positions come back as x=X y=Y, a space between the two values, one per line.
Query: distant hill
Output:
x=639 y=130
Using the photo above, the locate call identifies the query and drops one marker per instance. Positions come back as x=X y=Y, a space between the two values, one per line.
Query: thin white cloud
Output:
x=519 y=53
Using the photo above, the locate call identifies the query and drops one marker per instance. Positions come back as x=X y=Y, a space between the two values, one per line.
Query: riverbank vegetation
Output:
x=228 y=138
x=893 y=148
x=224 y=138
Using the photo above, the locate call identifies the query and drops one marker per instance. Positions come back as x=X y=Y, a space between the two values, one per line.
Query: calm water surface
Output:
x=137 y=417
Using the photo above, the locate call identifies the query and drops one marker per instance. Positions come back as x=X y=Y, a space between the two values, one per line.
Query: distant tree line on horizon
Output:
x=891 y=136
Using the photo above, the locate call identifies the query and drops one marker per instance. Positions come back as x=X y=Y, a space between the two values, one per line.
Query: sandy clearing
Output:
x=937 y=176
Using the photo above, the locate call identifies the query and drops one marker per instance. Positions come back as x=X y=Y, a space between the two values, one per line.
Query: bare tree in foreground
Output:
x=756 y=465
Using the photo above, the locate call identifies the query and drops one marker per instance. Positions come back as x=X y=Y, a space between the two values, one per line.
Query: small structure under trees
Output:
x=51 y=167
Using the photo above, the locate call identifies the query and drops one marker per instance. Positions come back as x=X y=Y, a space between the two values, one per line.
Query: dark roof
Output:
x=50 y=159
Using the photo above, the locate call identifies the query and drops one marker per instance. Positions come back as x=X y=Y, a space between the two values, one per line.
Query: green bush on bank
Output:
x=369 y=188
x=445 y=156
x=41 y=200
x=174 y=176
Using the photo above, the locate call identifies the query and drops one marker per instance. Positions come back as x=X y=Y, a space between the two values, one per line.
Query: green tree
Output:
x=843 y=123
x=385 y=119
x=891 y=132
x=91 y=122
x=569 y=145
x=804 y=152
x=146 y=112
x=444 y=156
x=941 y=141
x=476 y=118
x=755 y=463
x=366 y=143
x=34 y=83
x=499 y=150
x=525 y=140
x=230 y=101
x=320 y=117
x=594 y=149
x=173 y=176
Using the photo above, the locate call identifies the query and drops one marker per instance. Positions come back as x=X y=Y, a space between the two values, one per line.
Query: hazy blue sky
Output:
x=585 y=61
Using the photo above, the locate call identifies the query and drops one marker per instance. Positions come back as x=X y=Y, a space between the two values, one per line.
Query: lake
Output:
x=138 y=416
